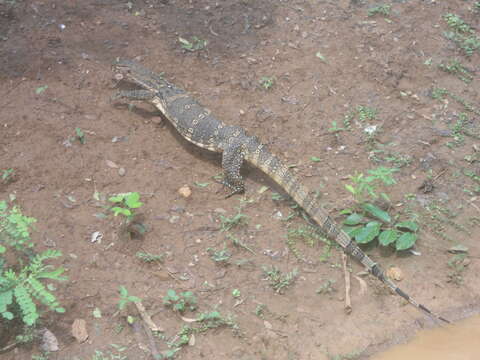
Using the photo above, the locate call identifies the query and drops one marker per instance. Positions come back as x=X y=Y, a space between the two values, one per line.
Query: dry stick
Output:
x=149 y=326
x=146 y=318
x=348 y=304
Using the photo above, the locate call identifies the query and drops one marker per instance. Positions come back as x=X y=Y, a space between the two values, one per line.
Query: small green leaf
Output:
x=117 y=198
x=315 y=159
x=41 y=89
x=368 y=232
x=2 y=249
x=376 y=212
x=200 y=184
x=118 y=210
x=407 y=225
x=123 y=291
x=60 y=310
x=351 y=189
x=132 y=200
x=353 y=219
x=7 y=315
x=406 y=241
x=388 y=237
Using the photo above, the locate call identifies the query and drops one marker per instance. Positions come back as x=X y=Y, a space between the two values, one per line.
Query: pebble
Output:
x=122 y=171
x=185 y=191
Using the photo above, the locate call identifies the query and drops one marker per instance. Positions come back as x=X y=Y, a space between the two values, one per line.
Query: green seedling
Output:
x=228 y=223
x=180 y=302
x=236 y=293
x=126 y=298
x=365 y=187
x=267 y=82
x=194 y=44
x=125 y=204
x=462 y=34
x=7 y=175
x=380 y=9
x=278 y=281
x=150 y=258
x=220 y=257
x=326 y=287
x=15 y=227
x=80 y=135
x=455 y=68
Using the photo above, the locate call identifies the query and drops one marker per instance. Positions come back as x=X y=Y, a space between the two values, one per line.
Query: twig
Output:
x=149 y=326
x=146 y=318
x=348 y=304
x=8 y=348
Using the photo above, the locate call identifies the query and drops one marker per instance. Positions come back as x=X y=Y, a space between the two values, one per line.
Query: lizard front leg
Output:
x=134 y=95
x=232 y=160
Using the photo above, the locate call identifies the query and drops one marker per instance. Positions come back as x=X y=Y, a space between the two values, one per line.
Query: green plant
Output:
x=454 y=67
x=367 y=221
x=335 y=130
x=228 y=223
x=278 y=281
x=456 y=23
x=80 y=135
x=267 y=82
x=21 y=291
x=149 y=258
x=458 y=131
x=180 y=302
x=366 y=113
x=125 y=204
x=441 y=93
x=15 y=227
x=126 y=298
x=463 y=34
x=221 y=257
x=365 y=187
x=194 y=44
x=236 y=293
x=326 y=287
x=379 y=9
x=7 y=175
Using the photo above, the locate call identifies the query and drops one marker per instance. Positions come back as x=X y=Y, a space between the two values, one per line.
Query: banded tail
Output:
x=281 y=174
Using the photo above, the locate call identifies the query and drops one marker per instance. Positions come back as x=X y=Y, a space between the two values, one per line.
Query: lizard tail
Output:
x=280 y=173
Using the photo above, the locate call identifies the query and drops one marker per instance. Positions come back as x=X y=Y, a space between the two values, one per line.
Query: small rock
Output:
x=220 y=211
x=111 y=164
x=185 y=191
x=79 y=330
x=49 y=341
x=173 y=219
x=395 y=273
x=278 y=215
x=458 y=249
x=122 y=171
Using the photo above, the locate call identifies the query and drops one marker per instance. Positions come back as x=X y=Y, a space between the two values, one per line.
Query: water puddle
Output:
x=460 y=341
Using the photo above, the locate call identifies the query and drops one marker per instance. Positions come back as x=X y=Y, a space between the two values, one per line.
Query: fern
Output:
x=22 y=291
x=15 y=227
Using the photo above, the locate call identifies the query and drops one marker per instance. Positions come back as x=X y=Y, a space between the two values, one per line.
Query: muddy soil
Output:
x=285 y=71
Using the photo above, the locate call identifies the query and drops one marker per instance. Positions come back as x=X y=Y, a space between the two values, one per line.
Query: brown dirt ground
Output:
x=368 y=61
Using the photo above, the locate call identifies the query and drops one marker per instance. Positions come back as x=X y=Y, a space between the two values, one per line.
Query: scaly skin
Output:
x=196 y=124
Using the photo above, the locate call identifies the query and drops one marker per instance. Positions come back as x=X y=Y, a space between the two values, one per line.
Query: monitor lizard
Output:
x=197 y=125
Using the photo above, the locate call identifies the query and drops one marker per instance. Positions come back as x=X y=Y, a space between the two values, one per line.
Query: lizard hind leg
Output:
x=232 y=160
